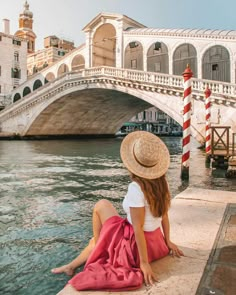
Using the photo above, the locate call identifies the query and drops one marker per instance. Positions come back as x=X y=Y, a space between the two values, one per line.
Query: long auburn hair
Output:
x=156 y=191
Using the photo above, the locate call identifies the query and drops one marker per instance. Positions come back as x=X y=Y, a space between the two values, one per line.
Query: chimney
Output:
x=6 y=26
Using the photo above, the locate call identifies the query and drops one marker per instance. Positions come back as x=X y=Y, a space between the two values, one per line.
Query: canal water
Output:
x=47 y=192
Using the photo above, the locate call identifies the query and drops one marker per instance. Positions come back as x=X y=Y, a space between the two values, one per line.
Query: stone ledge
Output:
x=220 y=270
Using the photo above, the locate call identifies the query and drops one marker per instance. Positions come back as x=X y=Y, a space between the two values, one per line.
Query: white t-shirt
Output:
x=135 y=198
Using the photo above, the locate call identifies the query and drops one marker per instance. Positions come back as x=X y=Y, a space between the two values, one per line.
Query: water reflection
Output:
x=47 y=192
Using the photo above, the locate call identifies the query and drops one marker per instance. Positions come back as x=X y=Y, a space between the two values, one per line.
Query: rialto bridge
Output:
x=124 y=68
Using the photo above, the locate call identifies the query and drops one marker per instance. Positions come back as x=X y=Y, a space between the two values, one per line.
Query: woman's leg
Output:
x=69 y=268
x=103 y=210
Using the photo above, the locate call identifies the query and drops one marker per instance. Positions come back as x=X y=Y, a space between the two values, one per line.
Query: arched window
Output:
x=16 y=73
x=16 y=56
x=216 y=64
x=134 y=56
x=183 y=55
x=157 y=58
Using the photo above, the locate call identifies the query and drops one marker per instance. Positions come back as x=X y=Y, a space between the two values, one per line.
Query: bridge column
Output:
x=199 y=68
x=170 y=64
x=88 y=50
x=119 y=46
x=186 y=123
x=233 y=74
x=144 y=59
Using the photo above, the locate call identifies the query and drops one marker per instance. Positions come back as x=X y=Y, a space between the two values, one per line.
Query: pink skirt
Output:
x=114 y=263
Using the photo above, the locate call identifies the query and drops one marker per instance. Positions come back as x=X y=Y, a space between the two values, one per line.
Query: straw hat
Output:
x=145 y=154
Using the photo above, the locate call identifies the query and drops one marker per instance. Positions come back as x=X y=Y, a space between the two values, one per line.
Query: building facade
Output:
x=13 y=57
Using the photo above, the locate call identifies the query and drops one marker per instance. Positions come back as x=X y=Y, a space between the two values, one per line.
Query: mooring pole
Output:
x=186 y=122
x=208 y=124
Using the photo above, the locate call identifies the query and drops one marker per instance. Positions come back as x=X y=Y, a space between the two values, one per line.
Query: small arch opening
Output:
x=216 y=64
x=37 y=84
x=62 y=70
x=183 y=55
x=49 y=77
x=78 y=63
x=26 y=91
x=16 y=97
x=134 y=56
x=157 y=58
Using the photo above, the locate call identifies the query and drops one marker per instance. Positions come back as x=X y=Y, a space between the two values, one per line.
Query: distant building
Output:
x=54 y=41
x=26 y=28
x=13 y=56
x=54 y=49
x=153 y=120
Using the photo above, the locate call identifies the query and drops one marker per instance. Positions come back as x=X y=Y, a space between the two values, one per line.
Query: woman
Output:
x=119 y=254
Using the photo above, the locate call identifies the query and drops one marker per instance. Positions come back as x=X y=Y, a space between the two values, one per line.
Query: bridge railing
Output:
x=219 y=89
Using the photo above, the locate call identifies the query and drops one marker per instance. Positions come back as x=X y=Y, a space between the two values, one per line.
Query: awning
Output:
x=130 y=124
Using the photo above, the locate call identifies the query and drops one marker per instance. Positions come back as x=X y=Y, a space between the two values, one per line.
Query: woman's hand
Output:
x=175 y=251
x=149 y=275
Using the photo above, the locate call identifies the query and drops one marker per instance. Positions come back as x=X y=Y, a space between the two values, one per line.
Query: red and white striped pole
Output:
x=208 y=117
x=186 y=122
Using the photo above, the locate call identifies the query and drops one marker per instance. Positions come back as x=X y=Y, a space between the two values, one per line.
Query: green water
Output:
x=47 y=192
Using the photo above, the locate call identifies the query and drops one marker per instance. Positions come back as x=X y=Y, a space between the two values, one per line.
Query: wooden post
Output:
x=208 y=117
x=208 y=126
x=186 y=123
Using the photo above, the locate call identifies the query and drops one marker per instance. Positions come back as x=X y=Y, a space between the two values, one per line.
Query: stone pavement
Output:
x=201 y=220
x=219 y=277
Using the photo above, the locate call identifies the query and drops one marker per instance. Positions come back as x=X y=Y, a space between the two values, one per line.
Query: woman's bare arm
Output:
x=137 y=217
x=166 y=227
x=166 y=230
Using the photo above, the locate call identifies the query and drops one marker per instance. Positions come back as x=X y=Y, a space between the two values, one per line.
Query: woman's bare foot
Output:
x=67 y=269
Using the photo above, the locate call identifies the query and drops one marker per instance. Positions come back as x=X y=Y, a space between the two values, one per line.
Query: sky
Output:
x=66 y=19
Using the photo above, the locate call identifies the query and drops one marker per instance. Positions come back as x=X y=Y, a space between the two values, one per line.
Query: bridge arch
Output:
x=37 y=84
x=133 y=56
x=49 y=77
x=26 y=91
x=70 y=113
x=78 y=62
x=104 y=46
x=185 y=54
x=216 y=64
x=63 y=68
x=158 y=58
x=16 y=97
